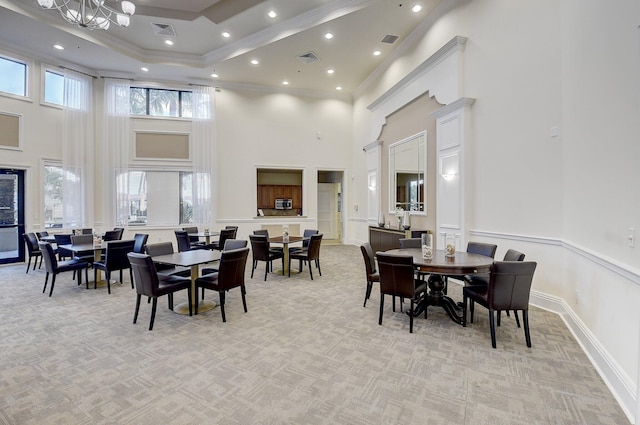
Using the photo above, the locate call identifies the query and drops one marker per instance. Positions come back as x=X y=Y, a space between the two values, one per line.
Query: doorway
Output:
x=330 y=196
x=11 y=216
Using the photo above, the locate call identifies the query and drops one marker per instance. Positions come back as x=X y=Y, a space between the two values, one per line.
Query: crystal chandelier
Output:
x=91 y=14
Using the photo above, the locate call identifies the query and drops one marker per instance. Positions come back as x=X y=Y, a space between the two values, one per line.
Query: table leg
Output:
x=436 y=297
x=285 y=271
x=203 y=305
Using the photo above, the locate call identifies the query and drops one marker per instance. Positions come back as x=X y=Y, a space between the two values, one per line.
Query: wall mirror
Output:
x=407 y=171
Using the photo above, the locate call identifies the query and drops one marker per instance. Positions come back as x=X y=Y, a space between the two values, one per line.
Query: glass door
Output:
x=11 y=216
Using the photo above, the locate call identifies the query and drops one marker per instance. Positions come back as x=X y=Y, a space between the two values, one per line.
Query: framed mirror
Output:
x=407 y=174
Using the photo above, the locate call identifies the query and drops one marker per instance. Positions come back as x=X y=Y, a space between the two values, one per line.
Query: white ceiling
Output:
x=358 y=27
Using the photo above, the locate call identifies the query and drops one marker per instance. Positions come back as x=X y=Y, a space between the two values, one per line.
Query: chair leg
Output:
x=222 y=297
x=464 y=311
x=393 y=297
x=189 y=300
x=525 y=321
x=53 y=282
x=170 y=300
x=381 y=307
x=153 y=312
x=499 y=317
x=244 y=298
x=196 y=304
x=108 y=273
x=492 y=326
x=131 y=276
x=95 y=277
x=135 y=315
x=29 y=264
x=289 y=266
x=471 y=310
x=255 y=264
x=310 y=270
x=318 y=267
x=411 y=318
x=515 y=314
x=367 y=293
x=46 y=279
x=282 y=260
x=266 y=270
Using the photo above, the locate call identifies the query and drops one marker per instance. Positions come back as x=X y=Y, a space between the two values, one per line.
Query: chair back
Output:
x=510 y=285
x=231 y=244
x=183 y=240
x=486 y=249
x=116 y=255
x=193 y=229
x=410 y=242
x=307 y=235
x=62 y=239
x=140 y=240
x=396 y=274
x=41 y=234
x=232 y=267
x=259 y=247
x=50 y=260
x=112 y=235
x=120 y=231
x=314 y=247
x=81 y=239
x=369 y=259
x=263 y=232
x=235 y=230
x=32 y=243
x=145 y=276
x=87 y=231
x=513 y=255
x=161 y=248
x=224 y=235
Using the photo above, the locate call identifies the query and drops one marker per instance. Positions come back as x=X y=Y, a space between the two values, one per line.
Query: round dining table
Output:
x=462 y=263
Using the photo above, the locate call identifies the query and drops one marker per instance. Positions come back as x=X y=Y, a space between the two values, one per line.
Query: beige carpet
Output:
x=307 y=352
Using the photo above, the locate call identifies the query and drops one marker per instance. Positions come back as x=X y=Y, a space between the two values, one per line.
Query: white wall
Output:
x=566 y=201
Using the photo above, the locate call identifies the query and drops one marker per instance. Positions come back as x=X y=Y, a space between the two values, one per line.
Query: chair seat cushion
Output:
x=374 y=277
x=476 y=280
x=478 y=293
x=209 y=281
x=172 y=284
x=68 y=265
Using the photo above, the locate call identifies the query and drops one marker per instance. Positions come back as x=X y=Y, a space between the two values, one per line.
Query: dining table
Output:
x=193 y=258
x=285 y=248
x=460 y=264
x=206 y=236
x=97 y=249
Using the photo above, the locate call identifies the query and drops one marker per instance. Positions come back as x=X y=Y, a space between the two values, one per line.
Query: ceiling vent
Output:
x=389 y=39
x=308 y=57
x=163 y=29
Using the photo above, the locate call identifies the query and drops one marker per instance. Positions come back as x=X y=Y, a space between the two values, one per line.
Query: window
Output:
x=161 y=102
x=14 y=77
x=53 y=196
x=53 y=87
x=157 y=198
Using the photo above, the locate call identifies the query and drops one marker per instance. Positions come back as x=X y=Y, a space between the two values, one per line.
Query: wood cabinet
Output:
x=268 y=193
x=382 y=239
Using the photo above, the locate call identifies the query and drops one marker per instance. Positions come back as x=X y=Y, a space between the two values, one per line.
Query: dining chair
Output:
x=55 y=267
x=230 y=275
x=182 y=238
x=120 y=231
x=370 y=269
x=87 y=231
x=147 y=283
x=194 y=241
x=31 y=241
x=229 y=244
x=140 y=240
x=87 y=256
x=114 y=259
x=42 y=234
x=312 y=253
x=235 y=231
x=112 y=235
x=480 y=248
x=508 y=289
x=410 y=242
x=166 y=270
x=63 y=239
x=397 y=278
x=224 y=235
x=260 y=251
x=265 y=232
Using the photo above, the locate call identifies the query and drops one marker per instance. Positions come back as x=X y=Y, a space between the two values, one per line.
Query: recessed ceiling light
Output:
x=272 y=14
x=328 y=36
x=339 y=88
x=226 y=34
x=285 y=83
x=330 y=71
x=214 y=75
x=144 y=69
x=255 y=61
x=168 y=42
x=416 y=8
x=377 y=53
x=58 y=46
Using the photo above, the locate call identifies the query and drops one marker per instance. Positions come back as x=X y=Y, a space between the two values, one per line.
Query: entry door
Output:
x=328 y=210
x=11 y=216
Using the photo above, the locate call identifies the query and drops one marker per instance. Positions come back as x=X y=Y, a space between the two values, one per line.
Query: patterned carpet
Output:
x=306 y=352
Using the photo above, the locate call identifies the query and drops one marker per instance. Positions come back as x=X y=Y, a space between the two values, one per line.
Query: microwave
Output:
x=284 y=204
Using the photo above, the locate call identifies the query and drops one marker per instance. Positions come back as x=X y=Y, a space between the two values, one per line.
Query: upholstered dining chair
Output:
x=397 y=278
x=140 y=240
x=31 y=241
x=42 y=234
x=480 y=248
x=55 y=267
x=82 y=239
x=508 y=289
x=112 y=235
x=166 y=270
x=260 y=251
x=229 y=244
x=265 y=232
x=114 y=259
x=311 y=254
x=148 y=284
x=235 y=231
x=224 y=235
x=370 y=269
x=63 y=239
x=182 y=238
x=410 y=242
x=230 y=275
x=194 y=241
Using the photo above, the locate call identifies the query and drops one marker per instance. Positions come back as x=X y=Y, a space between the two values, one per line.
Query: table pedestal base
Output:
x=436 y=297
x=203 y=305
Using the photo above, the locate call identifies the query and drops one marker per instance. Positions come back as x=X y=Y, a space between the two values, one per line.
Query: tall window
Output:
x=161 y=102
x=53 y=87
x=53 y=196
x=14 y=77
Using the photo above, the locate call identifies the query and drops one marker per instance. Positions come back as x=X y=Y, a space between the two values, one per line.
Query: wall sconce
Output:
x=449 y=176
x=372 y=183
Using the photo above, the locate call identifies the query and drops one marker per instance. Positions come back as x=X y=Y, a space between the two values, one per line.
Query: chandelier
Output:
x=91 y=14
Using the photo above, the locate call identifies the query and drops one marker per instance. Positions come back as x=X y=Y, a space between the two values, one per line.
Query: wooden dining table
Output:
x=285 y=249
x=193 y=259
x=462 y=263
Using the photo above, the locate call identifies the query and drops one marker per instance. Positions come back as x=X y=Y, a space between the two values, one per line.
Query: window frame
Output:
x=148 y=114
x=46 y=162
x=43 y=84
x=28 y=64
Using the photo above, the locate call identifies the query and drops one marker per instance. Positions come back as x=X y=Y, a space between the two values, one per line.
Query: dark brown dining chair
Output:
x=31 y=241
x=55 y=267
x=230 y=275
x=224 y=235
x=86 y=256
x=63 y=239
x=235 y=231
x=480 y=248
x=165 y=270
x=42 y=234
x=140 y=240
x=370 y=269
x=410 y=242
x=397 y=278
x=310 y=255
x=114 y=259
x=182 y=238
x=508 y=289
x=112 y=235
x=265 y=232
x=229 y=245
x=148 y=284
x=194 y=241
x=260 y=251
x=86 y=231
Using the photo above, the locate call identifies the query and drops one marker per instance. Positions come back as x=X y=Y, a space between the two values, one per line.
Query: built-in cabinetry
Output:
x=268 y=193
x=383 y=239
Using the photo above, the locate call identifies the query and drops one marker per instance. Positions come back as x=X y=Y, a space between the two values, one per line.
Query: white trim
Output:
x=20 y=131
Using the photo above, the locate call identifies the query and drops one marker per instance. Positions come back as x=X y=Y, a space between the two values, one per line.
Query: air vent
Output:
x=308 y=57
x=389 y=39
x=163 y=29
